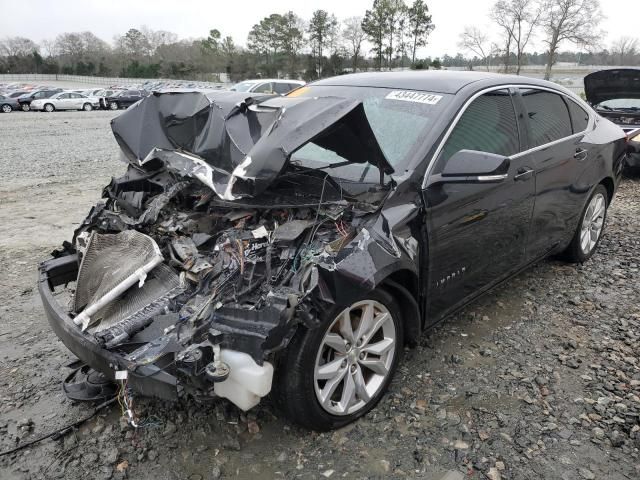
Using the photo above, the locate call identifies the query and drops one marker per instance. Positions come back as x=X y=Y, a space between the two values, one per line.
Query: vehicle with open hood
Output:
x=296 y=244
x=615 y=94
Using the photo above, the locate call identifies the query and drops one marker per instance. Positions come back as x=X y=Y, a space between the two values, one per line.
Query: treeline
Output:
x=278 y=45
x=389 y=35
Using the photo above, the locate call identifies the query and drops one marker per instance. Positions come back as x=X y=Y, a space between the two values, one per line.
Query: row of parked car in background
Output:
x=26 y=97
x=50 y=99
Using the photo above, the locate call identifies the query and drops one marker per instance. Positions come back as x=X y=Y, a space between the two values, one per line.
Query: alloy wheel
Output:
x=6 y=108
x=355 y=357
x=48 y=107
x=592 y=223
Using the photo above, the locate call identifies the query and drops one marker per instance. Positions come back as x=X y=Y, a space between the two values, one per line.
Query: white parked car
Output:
x=268 y=85
x=66 y=101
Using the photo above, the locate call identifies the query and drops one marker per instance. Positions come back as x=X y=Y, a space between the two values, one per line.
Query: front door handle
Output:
x=523 y=173
x=580 y=154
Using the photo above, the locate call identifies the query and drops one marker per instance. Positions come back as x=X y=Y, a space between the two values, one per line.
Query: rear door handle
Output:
x=523 y=173
x=580 y=154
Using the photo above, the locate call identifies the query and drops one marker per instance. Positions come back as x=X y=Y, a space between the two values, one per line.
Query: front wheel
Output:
x=87 y=107
x=113 y=105
x=49 y=108
x=25 y=107
x=589 y=231
x=333 y=374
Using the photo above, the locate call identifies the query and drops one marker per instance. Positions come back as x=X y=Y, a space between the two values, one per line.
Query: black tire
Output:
x=294 y=383
x=6 y=108
x=48 y=107
x=87 y=107
x=575 y=252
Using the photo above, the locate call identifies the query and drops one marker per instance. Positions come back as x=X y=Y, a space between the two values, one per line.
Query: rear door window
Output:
x=282 y=88
x=487 y=125
x=264 y=88
x=579 y=117
x=548 y=116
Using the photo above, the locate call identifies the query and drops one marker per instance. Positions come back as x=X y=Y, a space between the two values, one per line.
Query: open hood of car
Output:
x=611 y=84
x=237 y=143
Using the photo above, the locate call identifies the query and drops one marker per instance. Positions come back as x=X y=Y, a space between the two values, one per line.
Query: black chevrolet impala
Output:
x=295 y=244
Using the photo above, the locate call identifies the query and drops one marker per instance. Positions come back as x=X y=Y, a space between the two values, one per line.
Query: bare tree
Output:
x=519 y=19
x=475 y=40
x=574 y=21
x=17 y=46
x=625 y=48
x=354 y=36
x=500 y=15
x=157 y=38
x=49 y=48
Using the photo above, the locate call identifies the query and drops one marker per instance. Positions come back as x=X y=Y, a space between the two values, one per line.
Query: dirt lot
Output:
x=539 y=380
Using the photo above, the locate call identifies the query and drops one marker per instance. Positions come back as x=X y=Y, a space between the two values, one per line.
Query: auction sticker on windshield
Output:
x=412 y=96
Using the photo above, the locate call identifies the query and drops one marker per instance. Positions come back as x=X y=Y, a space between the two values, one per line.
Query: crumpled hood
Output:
x=611 y=84
x=238 y=144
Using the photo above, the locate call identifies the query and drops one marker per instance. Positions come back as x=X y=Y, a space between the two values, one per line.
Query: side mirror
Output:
x=471 y=166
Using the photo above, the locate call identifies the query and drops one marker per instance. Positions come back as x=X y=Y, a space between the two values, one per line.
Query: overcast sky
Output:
x=44 y=19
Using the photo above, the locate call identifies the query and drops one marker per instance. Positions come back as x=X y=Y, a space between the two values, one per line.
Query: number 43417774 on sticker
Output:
x=413 y=96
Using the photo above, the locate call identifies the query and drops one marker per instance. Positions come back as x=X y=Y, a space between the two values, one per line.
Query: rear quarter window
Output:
x=579 y=117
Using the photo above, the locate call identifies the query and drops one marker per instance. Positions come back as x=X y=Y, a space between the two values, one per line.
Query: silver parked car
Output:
x=66 y=101
x=268 y=85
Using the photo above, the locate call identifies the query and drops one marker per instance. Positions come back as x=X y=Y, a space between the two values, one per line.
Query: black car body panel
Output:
x=126 y=98
x=278 y=241
x=246 y=141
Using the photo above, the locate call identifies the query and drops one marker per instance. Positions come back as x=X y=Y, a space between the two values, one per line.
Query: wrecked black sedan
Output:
x=296 y=244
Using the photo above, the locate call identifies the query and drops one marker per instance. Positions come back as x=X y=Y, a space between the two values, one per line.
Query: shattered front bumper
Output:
x=148 y=380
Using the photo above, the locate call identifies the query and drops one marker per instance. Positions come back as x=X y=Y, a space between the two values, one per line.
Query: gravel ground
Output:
x=538 y=380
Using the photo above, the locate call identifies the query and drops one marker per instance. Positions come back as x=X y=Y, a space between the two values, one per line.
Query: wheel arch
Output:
x=608 y=184
x=403 y=285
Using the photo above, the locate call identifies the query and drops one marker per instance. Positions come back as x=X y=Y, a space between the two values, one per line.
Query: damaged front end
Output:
x=199 y=264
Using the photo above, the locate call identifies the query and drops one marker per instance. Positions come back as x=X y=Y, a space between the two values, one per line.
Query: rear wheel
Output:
x=589 y=231
x=25 y=107
x=331 y=375
x=87 y=107
x=49 y=107
x=6 y=108
x=113 y=105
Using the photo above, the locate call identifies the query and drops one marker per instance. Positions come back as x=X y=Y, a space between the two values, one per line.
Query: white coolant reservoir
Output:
x=247 y=381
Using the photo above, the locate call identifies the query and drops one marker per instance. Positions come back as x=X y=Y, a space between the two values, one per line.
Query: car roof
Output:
x=440 y=81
